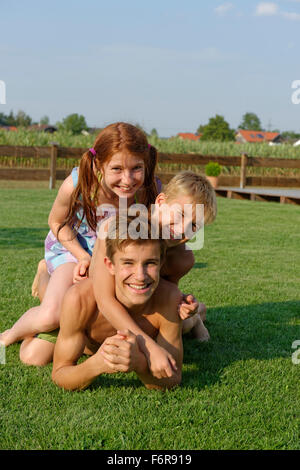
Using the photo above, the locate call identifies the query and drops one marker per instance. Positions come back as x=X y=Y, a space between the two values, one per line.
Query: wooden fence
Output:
x=244 y=161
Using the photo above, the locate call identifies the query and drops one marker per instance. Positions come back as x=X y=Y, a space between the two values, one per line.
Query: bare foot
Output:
x=42 y=267
x=4 y=338
x=202 y=311
x=199 y=331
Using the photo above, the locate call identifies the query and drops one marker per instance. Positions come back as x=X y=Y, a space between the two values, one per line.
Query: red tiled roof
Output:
x=188 y=136
x=9 y=128
x=258 y=136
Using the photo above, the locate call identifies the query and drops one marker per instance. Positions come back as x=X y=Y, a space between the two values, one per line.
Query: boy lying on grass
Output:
x=152 y=302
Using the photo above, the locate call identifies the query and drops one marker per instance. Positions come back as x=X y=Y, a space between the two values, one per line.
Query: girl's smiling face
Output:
x=123 y=174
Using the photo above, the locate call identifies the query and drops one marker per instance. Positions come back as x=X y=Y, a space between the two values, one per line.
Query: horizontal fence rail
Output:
x=244 y=161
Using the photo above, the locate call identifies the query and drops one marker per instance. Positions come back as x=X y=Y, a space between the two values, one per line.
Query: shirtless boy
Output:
x=152 y=302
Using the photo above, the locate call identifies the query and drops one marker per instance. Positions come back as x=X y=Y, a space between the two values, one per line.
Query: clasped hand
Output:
x=121 y=352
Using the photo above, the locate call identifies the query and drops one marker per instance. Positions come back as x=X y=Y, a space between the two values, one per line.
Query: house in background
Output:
x=8 y=128
x=244 y=137
x=189 y=136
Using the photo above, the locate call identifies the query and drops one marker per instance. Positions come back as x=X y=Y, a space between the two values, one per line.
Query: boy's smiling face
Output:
x=136 y=269
x=171 y=214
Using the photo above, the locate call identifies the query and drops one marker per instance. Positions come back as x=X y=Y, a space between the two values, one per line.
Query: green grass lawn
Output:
x=239 y=391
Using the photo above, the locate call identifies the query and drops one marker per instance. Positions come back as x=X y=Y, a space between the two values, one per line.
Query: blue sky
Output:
x=166 y=64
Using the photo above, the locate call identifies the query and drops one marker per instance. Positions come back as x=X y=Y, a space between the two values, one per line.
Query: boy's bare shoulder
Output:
x=79 y=305
x=167 y=297
x=169 y=290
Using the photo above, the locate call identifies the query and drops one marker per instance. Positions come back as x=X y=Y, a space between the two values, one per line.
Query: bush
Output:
x=218 y=130
x=73 y=123
x=212 y=169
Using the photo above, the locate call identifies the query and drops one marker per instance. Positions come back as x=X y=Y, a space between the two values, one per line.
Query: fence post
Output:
x=244 y=159
x=52 y=179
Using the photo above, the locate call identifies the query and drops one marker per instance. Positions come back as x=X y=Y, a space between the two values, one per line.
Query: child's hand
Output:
x=121 y=352
x=81 y=270
x=161 y=363
x=188 y=306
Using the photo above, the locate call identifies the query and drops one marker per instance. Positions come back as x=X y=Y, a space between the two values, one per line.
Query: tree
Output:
x=218 y=129
x=3 y=119
x=250 y=122
x=290 y=136
x=22 y=119
x=45 y=120
x=74 y=123
x=154 y=133
x=11 y=120
x=200 y=129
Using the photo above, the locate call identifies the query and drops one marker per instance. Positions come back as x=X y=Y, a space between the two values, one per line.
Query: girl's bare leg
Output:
x=36 y=352
x=40 y=281
x=45 y=317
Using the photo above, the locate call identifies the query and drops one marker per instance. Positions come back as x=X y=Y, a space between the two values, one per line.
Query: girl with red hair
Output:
x=121 y=164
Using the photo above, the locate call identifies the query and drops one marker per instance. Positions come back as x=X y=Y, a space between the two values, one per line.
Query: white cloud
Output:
x=223 y=9
x=272 y=9
x=266 y=9
x=291 y=16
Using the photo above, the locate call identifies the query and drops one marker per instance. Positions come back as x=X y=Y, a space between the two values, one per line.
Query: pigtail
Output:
x=88 y=188
x=84 y=196
x=149 y=182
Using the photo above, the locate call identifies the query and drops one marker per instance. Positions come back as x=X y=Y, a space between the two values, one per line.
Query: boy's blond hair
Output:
x=118 y=237
x=198 y=188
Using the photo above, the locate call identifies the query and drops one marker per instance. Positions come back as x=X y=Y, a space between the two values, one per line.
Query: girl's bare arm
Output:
x=58 y=214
